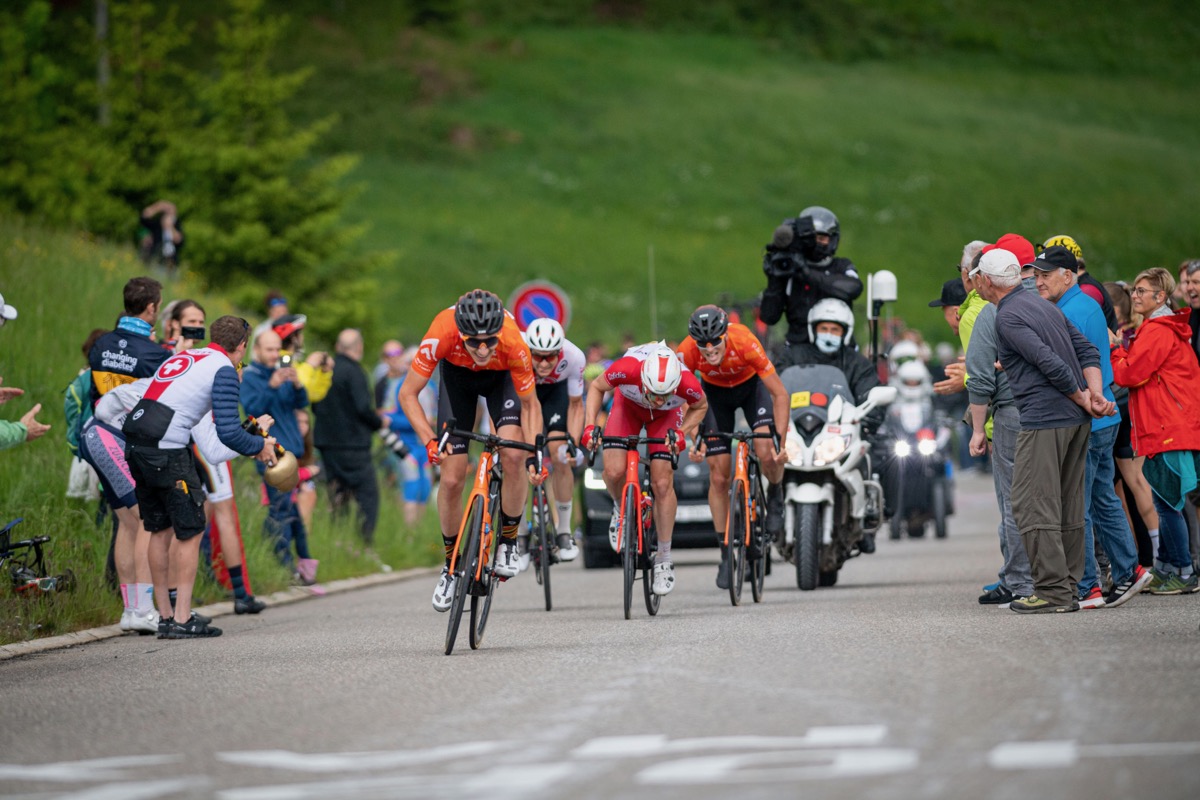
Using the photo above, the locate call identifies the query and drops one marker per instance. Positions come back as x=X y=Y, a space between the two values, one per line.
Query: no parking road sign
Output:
x=537 y=299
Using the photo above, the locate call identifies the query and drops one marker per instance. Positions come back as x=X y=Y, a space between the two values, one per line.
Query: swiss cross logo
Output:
x=174 y=367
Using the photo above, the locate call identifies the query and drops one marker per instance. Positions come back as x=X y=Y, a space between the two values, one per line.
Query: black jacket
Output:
x=799 y=293
x=346 y=416
x=857 y=368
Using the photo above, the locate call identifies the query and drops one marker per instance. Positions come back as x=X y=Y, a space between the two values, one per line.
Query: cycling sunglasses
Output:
x=545 y=356
x=474 y=342
x=714 y=342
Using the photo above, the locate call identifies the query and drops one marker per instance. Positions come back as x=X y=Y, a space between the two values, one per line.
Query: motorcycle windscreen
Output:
x=811 y=388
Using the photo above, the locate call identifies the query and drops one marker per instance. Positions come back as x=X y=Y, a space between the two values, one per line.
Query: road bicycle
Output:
x=637 y=538
x=471 y=563
x=25 y=563
x=543 y=549
x=746 y=525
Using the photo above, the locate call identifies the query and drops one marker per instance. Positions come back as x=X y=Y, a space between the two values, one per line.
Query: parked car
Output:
x=693 y=519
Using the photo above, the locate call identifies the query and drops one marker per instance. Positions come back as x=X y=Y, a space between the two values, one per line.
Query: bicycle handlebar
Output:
x=632 y=442
x=741 y=436
x=492 y=440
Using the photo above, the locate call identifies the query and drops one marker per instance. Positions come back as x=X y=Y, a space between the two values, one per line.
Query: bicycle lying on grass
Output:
x=25 y=564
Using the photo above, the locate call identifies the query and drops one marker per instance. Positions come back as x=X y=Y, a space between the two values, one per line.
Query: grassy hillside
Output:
x=566 y=153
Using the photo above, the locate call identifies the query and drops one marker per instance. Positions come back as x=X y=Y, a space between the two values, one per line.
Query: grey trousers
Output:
x=1016 y=575
x=1048 y=506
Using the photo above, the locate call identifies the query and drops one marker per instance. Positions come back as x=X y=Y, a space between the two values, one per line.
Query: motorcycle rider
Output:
x=830 y=327
x=803 y=269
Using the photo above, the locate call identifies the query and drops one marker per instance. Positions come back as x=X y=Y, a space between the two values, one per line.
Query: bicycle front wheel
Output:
x=464 y=570
x=737 y=541
x=652 y=600
x=760 y=547
x=545 y=537
x=481 y=604
x=629 y=546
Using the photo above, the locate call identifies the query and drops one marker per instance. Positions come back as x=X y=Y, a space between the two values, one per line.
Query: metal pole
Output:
x=653 y=301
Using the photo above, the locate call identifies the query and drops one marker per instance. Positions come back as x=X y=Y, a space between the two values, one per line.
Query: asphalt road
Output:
x=893 y=684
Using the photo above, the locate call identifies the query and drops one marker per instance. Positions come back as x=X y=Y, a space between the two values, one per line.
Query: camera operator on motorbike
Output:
x=830 y=327
x=736 y=373
x=802 y=269
x=652 y=392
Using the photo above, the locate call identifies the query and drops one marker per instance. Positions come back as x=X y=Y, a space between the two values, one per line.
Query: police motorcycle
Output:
x=917 y=469
x=831 y=495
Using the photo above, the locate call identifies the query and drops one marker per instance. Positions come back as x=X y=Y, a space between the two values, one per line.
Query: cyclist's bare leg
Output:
x=449 y=501
x=516 y=486
x=614 y=471
x=765 y=450
x=662 y=479
x=718 y=490
x=562 y=481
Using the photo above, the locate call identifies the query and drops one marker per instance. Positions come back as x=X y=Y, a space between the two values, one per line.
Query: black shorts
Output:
x=1123 y=446
x=459 y=397
x=168 y=489
x=750 y=396
x=554 y=400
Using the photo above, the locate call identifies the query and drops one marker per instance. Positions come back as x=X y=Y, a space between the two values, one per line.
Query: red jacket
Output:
x=1164 y=385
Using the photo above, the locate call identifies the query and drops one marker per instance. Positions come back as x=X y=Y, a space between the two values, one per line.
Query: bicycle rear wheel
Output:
x=545 y=537
x=737 y=541
x=629 y=546
x=464 y=570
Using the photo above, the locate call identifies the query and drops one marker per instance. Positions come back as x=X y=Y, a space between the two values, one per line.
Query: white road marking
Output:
x=96 y=769
x=350 y=762
x=499 y=782
x=620 y=747
x=797 y=765
x=1059 y=754
x=648 y=746
x=145 y=790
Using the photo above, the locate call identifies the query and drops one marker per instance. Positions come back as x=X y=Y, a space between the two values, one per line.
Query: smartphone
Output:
x=285 y=360
x=190 y=332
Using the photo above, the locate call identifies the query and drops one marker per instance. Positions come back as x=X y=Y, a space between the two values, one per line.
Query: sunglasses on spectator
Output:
x=544 y=356
x=474 y=342
x=714 y=342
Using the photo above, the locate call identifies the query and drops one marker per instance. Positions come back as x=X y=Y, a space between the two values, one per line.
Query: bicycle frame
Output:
x=481 y=488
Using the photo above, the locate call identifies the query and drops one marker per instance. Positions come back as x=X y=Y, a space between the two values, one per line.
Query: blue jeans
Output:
x=1172 y=535
x=1104 y=517
x=283 y=525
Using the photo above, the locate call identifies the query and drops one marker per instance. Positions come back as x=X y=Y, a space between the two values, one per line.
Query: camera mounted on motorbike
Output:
x=793 y=244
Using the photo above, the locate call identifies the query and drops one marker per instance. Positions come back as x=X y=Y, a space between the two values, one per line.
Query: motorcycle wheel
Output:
x=939 y=509
x=808 y=546
x=896 y=525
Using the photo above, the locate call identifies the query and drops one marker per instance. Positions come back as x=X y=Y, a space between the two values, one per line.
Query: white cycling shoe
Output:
x=443 y=595
x=664 y=578
x=612 y=526
x=508 y=561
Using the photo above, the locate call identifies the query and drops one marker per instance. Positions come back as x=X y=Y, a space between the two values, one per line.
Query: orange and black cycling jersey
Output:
x=443 y=342
x=744 y=358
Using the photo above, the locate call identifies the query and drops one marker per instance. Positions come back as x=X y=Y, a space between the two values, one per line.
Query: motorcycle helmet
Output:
x=708 y=323
x=544 y=335
x=913 y=381
x=479 y=313
x=661 y=371
x=902 y=352
x=831 y=310
x=823 y=221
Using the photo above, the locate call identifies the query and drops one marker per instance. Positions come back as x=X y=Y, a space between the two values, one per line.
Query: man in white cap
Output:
x=28 y=429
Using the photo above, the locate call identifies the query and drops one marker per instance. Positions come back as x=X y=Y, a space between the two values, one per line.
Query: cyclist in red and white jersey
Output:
x=652 y=392
x=558 y=368
x=481 y=354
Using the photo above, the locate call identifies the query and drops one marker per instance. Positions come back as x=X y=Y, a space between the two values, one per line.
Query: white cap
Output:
x=998 y=263
x=6 y=312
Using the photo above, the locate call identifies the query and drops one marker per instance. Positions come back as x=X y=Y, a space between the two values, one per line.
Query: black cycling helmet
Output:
x=708 y=323
x=479 y=313
x=826 y=222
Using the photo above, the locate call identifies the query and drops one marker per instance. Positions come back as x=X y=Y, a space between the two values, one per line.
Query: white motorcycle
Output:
x=832 y=496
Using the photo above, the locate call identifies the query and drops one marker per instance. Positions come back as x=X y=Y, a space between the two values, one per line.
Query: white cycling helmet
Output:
x=661 y=371
x=831 y=310
x=913 y=381
x=544 y=335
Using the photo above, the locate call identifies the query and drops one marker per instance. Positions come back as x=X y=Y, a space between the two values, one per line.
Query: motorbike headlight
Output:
x=902 y=449
x=927 y=447
x=794 y=448
x=829 y=450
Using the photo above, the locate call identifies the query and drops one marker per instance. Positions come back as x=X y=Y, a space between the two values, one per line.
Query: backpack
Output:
x=76 y=408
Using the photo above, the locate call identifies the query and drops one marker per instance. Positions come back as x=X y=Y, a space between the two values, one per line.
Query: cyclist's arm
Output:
x=595 y=399
x=575 y=418
x=411 y=404
x=694 y=416
x=779 y=400
x=531 y=416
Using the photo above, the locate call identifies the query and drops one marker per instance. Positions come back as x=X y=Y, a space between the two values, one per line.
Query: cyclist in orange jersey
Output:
x=735 y=372
x=481 y=353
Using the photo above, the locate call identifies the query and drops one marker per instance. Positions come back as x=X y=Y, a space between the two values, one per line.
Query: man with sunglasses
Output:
x=558 y=366
x=652 y=391
x=481 y=353
x=735 y=373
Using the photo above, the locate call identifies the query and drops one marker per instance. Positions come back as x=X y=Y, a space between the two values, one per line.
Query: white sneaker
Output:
x=567 y=551
x=664 y=578
x=507 y=560
x=146 y=622
x=612 y=526
x=523 y=551
x=443 y=595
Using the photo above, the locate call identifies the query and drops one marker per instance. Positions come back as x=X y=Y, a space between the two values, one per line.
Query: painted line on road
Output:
x=95 y=769
x=1068 y=753
x=349 y=762
x=797 y=765
x=656 y=745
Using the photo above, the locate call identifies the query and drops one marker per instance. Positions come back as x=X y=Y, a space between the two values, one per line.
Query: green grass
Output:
x=567 y=153
x=63 y=285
